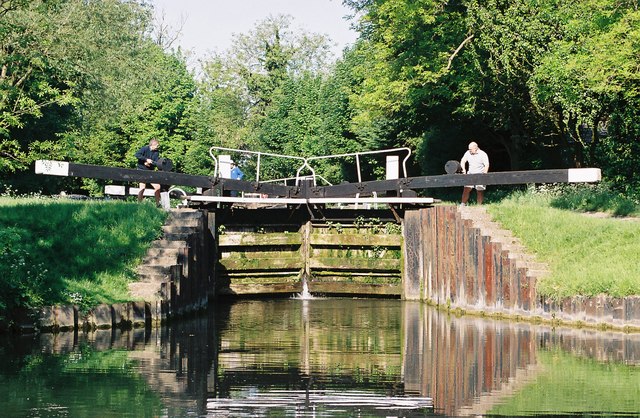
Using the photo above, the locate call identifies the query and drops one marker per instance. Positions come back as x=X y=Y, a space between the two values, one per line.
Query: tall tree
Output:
x=34 y=72
x=217 y=116
x=262 y=75
x=590 y=76
x=94 y=84
x=536 y=80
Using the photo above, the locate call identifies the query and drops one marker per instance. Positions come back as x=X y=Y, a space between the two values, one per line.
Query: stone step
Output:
x=178 y=229
x=155 y=252
x=477 y=221
x=147 y=291
x=512 y=245
x=190 y=220
x=162 y=260
x=164 y=253
x=521 y=256
x=490 y=226
x=504 y=239
x=537 y=273
x=147 y=269
x=165 y=243
x=469 y=212
x=149 y=277
x=513 y=248
x=472 y=208
x=176 y=236
x=185 y=214
x=183 y=221
x=531 y=265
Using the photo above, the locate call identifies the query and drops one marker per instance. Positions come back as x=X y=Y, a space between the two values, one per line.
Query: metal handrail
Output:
x=258 y=153
x=306 y=161
x=358 y=154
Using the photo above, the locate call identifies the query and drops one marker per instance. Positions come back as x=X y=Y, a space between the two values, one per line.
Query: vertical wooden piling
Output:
x=412 y=261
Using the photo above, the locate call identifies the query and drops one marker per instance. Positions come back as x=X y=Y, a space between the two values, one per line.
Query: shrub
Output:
x=593 y=198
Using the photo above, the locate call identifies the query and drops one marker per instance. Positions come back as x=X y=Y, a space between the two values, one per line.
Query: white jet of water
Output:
x=305 y=295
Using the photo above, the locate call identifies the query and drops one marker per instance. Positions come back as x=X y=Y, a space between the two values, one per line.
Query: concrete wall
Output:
x=461 y=260
x=69 y=318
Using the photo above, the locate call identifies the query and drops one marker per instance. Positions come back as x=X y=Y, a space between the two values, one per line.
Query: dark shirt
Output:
x=145 y=153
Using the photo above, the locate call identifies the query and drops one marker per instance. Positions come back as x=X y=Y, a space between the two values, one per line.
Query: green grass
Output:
x=587 y=256
x=62 y=251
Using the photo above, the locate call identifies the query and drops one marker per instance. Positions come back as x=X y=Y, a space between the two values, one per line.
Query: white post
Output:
x=225 y=166
x=393 y=167
x=165 y=201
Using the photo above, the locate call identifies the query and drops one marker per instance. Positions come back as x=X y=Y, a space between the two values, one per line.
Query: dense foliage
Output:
x=538 y=83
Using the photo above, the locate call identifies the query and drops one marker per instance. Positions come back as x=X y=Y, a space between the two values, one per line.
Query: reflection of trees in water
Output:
x=468 y=365
x=70 y=375
x=318 y=344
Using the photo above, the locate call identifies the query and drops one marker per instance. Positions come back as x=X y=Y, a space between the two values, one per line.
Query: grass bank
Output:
x=59 y=251
x=587 y=255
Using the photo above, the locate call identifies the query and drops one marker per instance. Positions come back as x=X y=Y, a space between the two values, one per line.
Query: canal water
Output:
x=322 y=358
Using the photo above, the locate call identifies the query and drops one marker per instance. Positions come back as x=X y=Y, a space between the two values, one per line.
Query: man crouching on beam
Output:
x=147 y=160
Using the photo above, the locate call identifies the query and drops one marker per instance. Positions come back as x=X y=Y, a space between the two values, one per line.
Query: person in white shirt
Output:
x=478 y=161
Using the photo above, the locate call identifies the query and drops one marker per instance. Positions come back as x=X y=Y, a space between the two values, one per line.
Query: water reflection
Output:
x=472 y=366
x=323 y=357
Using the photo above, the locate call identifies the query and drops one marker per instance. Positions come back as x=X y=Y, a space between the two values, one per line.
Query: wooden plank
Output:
x=369 y=264
x=239 y=199
x=317 y=194
x=67 y=169
x=118 y=190
x=255 y=289
x=574 y=175
x=364 y=240
x=60 y=168
x=251 y=278
x=356 y=252
x=412 y=271
x=259 y=275
x=345 y=288
x=276 y=253
x=257 y=239
x=313 y=201
x=236 y=264
x=357 y=276
x=373 y=200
